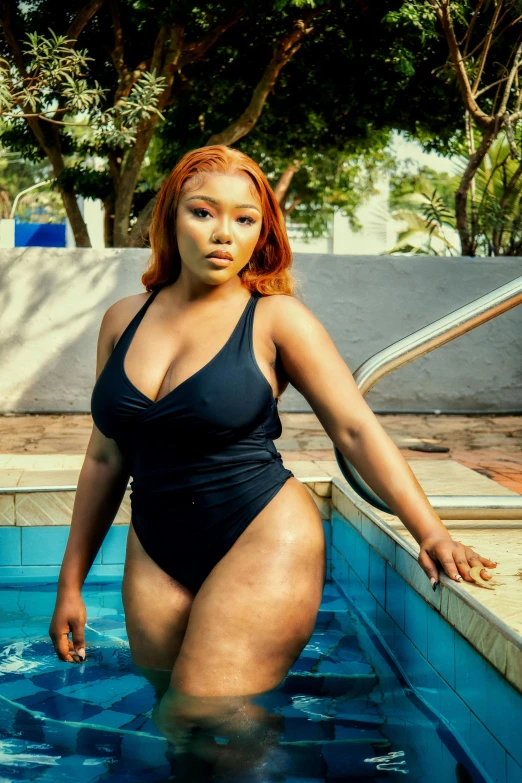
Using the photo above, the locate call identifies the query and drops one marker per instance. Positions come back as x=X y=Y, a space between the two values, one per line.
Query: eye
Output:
x=199 y=209
x=251 y=220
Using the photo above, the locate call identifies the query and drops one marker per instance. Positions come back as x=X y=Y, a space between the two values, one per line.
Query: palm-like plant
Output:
x=423 y=227
x=494 y=207
x=495 y=202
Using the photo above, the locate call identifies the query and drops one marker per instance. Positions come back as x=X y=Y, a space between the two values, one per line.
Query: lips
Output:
x=220 y=254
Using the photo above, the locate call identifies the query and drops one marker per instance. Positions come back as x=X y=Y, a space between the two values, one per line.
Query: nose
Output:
x=222 y=234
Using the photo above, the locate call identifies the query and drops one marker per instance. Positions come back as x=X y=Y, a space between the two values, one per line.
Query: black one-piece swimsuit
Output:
x=202 y=458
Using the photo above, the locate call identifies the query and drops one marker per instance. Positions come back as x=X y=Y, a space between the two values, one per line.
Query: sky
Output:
x=404 y=149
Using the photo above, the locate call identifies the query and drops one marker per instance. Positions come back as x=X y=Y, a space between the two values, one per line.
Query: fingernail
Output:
x=458 y=578
x=434 y=582
x=81 y=653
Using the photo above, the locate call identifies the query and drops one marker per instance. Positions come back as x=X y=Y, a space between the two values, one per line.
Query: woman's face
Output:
x=222 y=214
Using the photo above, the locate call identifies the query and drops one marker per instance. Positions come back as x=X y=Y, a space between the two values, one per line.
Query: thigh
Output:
x=257 y=608
x=157 y=609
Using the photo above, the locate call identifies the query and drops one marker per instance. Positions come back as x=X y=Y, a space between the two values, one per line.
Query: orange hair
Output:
x=268 y=269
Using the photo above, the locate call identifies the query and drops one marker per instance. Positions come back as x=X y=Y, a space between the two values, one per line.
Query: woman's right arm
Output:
x=101 y=486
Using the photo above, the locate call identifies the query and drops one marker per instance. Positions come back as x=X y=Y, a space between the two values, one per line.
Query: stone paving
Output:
x=490 y=445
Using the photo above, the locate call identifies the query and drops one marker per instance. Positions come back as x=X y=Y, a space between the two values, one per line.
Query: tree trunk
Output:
x=281 y=189
x=467 y=237
x=140 y=231
x=78 y=225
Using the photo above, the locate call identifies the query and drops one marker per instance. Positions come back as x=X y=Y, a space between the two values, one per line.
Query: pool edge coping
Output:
x=447 y=598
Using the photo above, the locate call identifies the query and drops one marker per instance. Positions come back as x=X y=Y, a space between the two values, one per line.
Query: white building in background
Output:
x=377 y=235
x=92 y=212
x=379 y=231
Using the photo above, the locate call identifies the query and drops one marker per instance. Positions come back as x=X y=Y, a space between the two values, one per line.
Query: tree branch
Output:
x=511 y=78
x=288 y=210
x=140 y=230
x=485 y=50
x=282 y=53
x=195 y=50
x=469 y=31
x=281 y=189
x=82 y=17
x=442 y=10
x=117 y=54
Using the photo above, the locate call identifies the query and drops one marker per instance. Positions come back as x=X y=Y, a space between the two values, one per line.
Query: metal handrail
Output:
x=406 y=350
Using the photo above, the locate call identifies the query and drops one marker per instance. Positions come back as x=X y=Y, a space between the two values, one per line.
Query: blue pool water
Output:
x=345 y=713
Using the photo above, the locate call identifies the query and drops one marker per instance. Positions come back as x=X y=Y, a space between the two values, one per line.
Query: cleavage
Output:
x=139 y=372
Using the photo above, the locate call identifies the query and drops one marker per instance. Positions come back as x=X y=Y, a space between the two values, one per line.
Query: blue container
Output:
x=39 y=234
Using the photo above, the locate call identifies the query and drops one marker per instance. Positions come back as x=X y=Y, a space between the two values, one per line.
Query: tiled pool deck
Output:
x=484 y=458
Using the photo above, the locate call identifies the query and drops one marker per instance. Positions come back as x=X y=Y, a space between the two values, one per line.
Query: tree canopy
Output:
x=309 y=89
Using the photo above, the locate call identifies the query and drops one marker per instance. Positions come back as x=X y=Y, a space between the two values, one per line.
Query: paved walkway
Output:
x=490 y=445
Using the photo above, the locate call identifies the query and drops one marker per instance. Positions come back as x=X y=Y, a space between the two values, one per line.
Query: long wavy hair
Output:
x=268 y=269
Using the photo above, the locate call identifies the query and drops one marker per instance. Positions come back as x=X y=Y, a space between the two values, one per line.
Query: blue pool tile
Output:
x=333 y=666
x=441 y=646
x=304 y=664
x=513 y=771
x=150 y=727
x=111 y=718
x=488 y=752
x=341 y=574
x=359 y=559
x=508 y=702
x=45 y=545
x=367 y=604
x=66 y=708
x=54 y=680
x=327 y=530
x=114 y=544
x=71 y=767
x=455 y=713
x=416 y=619
x=421 y=675
x=107 y=692
x=15 y=689
x=10 y=546
x=136 y=724
x=332 y=597
x=395 y=589
x=386 y=626
x=377 y=582
x=321 y=643
x=137 y=702
x=382 y=543
x=470 y=674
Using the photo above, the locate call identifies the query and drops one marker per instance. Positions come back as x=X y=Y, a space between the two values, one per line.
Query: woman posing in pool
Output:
x=225 y=561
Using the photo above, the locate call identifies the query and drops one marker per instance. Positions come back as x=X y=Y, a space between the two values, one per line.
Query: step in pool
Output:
x=344 y=713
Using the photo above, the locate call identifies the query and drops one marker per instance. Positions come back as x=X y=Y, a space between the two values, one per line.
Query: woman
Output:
x=225 y=561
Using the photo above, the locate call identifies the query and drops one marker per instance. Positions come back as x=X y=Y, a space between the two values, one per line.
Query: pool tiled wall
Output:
x=38 y=550
x=460 y=686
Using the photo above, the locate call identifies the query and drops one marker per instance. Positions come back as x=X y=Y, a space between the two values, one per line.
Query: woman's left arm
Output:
x=317 y=370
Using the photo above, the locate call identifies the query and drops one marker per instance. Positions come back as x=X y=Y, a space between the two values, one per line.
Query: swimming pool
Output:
x=347 y=712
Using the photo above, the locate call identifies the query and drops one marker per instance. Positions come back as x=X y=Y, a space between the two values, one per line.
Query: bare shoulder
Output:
x=118 y=315
x=113 y=323
x=120 y=312
x=290 y=318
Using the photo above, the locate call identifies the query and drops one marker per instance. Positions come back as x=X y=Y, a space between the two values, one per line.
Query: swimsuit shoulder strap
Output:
x=133 y=324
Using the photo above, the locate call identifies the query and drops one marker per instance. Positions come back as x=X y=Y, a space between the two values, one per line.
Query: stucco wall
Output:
x=52 y=302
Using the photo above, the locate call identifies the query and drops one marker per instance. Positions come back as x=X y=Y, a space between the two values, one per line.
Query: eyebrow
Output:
x=215 y=201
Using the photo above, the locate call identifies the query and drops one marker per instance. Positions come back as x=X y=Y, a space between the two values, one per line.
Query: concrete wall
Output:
x=52 y=301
